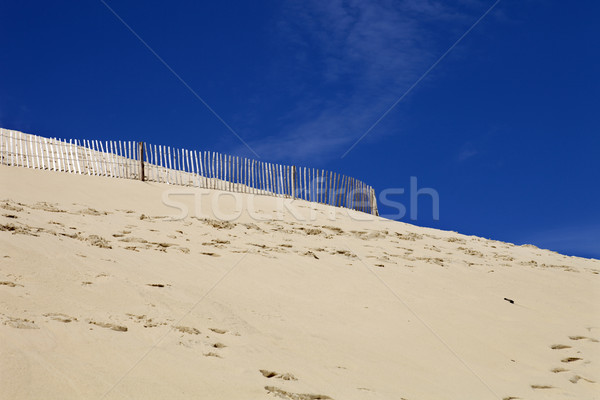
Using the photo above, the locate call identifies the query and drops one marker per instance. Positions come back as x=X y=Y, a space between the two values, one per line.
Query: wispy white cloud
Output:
x=353 y=59
x=467 y=152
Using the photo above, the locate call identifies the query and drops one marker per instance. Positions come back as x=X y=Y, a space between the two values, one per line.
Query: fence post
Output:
x=141 y=158
x=374 y=210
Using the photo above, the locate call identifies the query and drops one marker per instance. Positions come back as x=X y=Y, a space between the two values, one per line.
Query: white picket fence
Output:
x=203 y=169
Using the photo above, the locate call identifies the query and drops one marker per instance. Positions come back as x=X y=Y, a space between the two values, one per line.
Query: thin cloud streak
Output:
x=361 y=55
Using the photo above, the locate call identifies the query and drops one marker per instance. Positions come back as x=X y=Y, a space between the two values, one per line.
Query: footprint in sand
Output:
x=20 y=323
x=272 y=374
x=570 y=359
x=108 y=325
x=542 y=387
x=98 y=241
x=583 y=337
x=60 y=317
x=146 y=321
x=557 y=370
x=9 y=284
x=187 y=329
x=295 y=396
x=577 y=378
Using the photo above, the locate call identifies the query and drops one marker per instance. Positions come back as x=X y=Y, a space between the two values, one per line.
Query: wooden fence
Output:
x=203 y=169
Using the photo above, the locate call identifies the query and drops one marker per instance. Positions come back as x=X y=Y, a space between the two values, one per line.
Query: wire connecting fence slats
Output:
x=203 y=169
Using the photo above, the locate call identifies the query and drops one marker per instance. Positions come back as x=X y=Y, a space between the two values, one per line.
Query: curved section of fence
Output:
x=203 y=169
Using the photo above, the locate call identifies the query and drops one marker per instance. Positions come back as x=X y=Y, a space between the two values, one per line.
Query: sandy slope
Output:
x=103 y=296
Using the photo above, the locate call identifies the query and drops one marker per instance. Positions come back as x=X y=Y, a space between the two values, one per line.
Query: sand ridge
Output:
x=102 y=293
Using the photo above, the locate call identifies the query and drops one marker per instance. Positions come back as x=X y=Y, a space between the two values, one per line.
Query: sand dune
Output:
x=103 y=294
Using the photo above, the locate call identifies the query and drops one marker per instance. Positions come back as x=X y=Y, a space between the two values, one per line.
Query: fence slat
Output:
x=201 y=165
x=2 y=146
x=180 y=159
x=127 y=159
x=215 y=166
x=338 y=201
x=208 y=170
x=65 y=154
x=35 y=162
x=18 y=161
x=161 y=163
x=131 y=160
x=93 y=158
x=193 y=167
x=20 y=151
x=264 y=176
x=77 y=157
x=286 y=180
x=40 y=147
x=88 y=149
x=212 y=159
x=198 y=156
x=209 y=177
x=111 y=158
x=34 y=141
x=286 y=187
x=222 y=169
x=100 y=158
x=154 y=163
x=261 y=176
x=346 y=191
x=107 y=159
x=244 y=175
x=70 y=156
x=253 y=162
x=33 y=152
x=343 y=189
x=4 y=143
x=168 y=149
x=58 y=154
x=84 y=158
x=17 y=151
x=109 y=166
x=218 y=176
x=119 y=159
x=227 y=172
x=10 y=147
x=52 y=153
x=26 y=153
x=177 y=165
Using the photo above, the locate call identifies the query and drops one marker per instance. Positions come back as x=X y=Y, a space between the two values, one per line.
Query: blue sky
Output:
x=505 y=127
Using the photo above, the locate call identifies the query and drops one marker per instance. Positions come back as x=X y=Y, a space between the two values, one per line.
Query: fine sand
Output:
x=104 y=294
